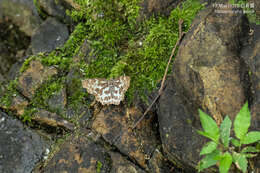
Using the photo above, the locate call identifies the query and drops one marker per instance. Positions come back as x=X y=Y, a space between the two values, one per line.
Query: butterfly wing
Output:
x=107 y=91
x=119 y=94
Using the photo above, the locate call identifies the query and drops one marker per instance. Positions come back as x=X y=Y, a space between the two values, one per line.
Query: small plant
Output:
x=219 y=150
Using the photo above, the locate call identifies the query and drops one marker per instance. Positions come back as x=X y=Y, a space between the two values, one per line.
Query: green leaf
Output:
x=235 y=142
x=208 y=148
x=242 y=122
x=250 y=149
x=240 y=161
x=225 y=131
x=225 y=162
x=258 y=146
x=250 y=155
x=251 y=137
x=206 y=135
x=209 y=126
x=208 y=160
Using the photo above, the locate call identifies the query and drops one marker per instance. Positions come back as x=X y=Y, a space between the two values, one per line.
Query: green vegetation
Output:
x=124 y=43
x=8 y=94
x=219 y=151
x=99 y=166
x=121 y=42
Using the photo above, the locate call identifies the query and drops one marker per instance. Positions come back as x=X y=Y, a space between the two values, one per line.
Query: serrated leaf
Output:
x=225 y=131
x=225 y=162
x=208 y=148
x=240 y=161
x=208 y=161
x=242 y=122
x=250 y=149
x=209 y=126
x=251 y=137
x=235 y=142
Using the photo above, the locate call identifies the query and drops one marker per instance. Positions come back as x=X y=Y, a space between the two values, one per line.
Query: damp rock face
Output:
x=20 y=148
x=122 y=165
x=54 y=8
x=251 y=55
x=208 y=69
x=52 y=119
x=207 y=74
x=22 y=13
x=33 y=78
x=150 y=7
x=79 y=155
x=114 y=124
x=13 y=45
x=49 y=35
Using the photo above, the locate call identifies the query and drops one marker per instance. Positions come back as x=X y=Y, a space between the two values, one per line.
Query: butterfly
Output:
x=107 y=92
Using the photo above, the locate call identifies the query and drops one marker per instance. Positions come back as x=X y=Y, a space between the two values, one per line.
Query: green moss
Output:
x=7 y=95
x=121 y=44
x=99 y=166
x=27 y=116
x=48 y=89
x=39 y=10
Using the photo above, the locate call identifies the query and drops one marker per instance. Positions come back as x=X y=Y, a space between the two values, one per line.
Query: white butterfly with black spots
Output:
x=107 y=91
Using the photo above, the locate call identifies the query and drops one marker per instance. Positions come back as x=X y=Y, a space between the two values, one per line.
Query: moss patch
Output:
x=7 y=95
x=121 y=44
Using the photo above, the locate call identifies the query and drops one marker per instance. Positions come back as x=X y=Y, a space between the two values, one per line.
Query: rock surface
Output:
x=34 y=77
x=207 y=74
x=22 y=13
x=52 y=119
x=114 y=123
x=156 y=7
x=20 y=147
x=55 y=9
x=50 y=35
x=80 y=155
x=208 y=69
x=251 y=55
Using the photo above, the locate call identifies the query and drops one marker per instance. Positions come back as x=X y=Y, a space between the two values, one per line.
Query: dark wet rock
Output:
x=122 y=165
x=34 y=77
x=159 y=164
x=79 y=154
x=22 y=13
x=20 y=148
x=18 y=104
x=257 y=8
x=58 y=101
x=14 y=71
x=55 y=9
x=207 y=74
x=49 y=35
x=251 y=55
x=156 y=7
x=52 y=119
x=2 y=79
x=208 y=69
x=114 y=123
x=180 y=140
x=13 y=44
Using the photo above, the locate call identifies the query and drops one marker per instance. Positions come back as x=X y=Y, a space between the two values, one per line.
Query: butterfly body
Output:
x=107 y=91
